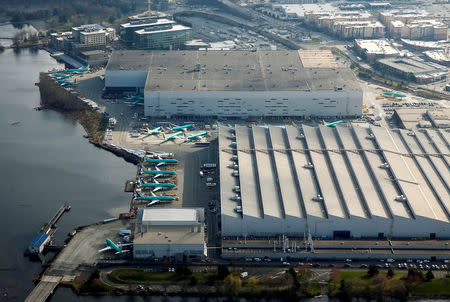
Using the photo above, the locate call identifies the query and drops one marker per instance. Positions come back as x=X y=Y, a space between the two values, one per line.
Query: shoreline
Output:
x=94 y=123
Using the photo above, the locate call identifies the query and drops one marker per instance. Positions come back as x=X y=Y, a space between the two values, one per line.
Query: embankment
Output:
x=56 y=97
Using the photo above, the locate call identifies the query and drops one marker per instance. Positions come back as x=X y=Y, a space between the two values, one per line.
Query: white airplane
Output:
x=154 y=199
x=115 y=247
x=157 y=172
x=156 y=185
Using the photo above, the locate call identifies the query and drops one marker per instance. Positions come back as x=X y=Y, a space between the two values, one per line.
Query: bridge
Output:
x=44 y=289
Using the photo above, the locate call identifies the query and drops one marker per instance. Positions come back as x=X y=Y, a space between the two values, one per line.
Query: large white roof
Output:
x=165 y=216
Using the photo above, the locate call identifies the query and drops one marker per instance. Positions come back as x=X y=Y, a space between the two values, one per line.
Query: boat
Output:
x=15 y=123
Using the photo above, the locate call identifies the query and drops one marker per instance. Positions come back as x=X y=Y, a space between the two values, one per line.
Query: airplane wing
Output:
x=105 y=249
x=152 y=203
x=160 y=164
x=153 y=194
x=156 y=189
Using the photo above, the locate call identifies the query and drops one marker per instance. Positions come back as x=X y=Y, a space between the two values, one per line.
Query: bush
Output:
x=183 y=270
x=222 y=272
x=232 y=284
x=373 y=270
x=193 y=281
x=429 y=275
x=390 y=273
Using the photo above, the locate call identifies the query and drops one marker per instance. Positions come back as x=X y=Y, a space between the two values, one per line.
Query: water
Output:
x=7 y=32
x=44 y=162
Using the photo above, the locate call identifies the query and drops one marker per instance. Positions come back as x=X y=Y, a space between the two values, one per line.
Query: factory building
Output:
x=412 y=69
x=336 y=182
x=237 y=83
x=170 y=232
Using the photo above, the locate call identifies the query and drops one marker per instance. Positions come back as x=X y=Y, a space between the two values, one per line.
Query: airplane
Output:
x=156 y=185
x=168 y=138
x=196 y=136
x=64 y=76
x=333 y=123
x=182 y=127
x=66 y=82
x=156 y=130
x=116 y=247
x=154 y=199
x=78 y=70
x=161 y=161
x=329 y=124
x=157 y=172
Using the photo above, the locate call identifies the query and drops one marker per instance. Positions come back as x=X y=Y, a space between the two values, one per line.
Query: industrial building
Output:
x=412 y=69
x=169 y=232
x=334 y=182
x=411 y=118
x=237 y=83
x=372 y=50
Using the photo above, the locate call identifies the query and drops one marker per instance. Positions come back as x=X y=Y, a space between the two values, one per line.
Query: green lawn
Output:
x=434 y=287
x=136 y=275
x=351 y=275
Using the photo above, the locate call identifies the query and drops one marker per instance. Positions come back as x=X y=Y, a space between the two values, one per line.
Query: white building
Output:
x=237 y=83
x=287 y=180
x=90 y=35
x=372 y=50
x=169 y=232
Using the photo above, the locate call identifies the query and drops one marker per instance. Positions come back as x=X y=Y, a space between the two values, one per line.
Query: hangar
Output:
x=334 y=182
x=237 y=83
x=169 y=232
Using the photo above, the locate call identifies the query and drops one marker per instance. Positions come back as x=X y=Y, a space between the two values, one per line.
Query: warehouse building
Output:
x=237 y=83
x=169 y=232
x=412 y=69
x=336 y=182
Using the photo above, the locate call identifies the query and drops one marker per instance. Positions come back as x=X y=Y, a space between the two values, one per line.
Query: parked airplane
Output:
x=161 y=161
x=196 y=136
x=154 y=199
x=157 y=172
x=156 y=185
x=78 y=70
x=172 y=136
x=333 y=123
x=156 y=130
x=182 y=127
x=64 y=76
x=66 y=82
x=116 y=247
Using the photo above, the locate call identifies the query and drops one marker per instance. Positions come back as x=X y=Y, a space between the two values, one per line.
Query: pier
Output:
x=52 y=223
x=43 y=238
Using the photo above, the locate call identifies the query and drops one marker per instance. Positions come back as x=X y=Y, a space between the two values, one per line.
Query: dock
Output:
x=52 y=223
x=45 y=234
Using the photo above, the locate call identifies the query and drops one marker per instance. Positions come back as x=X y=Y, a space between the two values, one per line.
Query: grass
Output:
x=438 y=287
x=125 y=276
x=351 y=275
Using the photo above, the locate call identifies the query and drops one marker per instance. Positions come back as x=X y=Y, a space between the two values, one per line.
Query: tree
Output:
x=429 y=275
x=183 y=270
x=291 y=271
x=373 y=270
x=222 y=271
x=232 y=284
x=390 y=273
x=252 y=281
x=193 y=281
